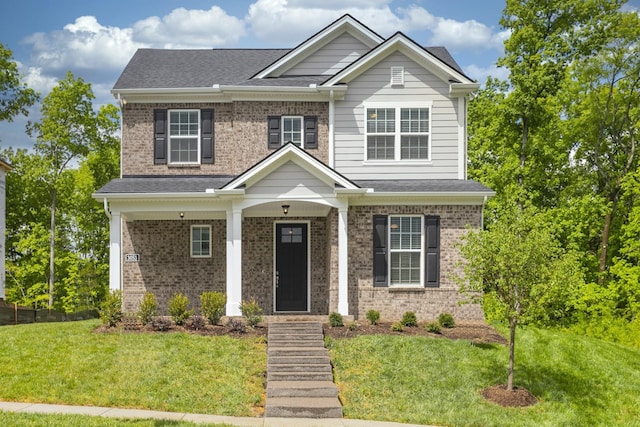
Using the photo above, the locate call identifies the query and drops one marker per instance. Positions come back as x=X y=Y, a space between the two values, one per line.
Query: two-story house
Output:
x=327 y=177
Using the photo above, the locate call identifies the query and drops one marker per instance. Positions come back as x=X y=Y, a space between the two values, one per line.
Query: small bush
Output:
x=196 y=322
x=353 y=326
x=161 y=323
x=335 y=319
x=433 y=327
x=213 y=306
x=111 y=312
x=148 y=308
x=252 y=312
x=373 y=316
x=179 y=308
x=237 y=326
x=397 y=327
x=446 y=320
x=409 y=319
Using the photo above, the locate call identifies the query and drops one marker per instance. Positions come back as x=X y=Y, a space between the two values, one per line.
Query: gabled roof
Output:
x=4 y=165
x=295 y=154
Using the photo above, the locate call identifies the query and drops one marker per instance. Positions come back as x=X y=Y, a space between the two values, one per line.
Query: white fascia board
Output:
x=399 y=42
x=462 y=89
x=347 y=23
x=154 y=196
x=433 y=198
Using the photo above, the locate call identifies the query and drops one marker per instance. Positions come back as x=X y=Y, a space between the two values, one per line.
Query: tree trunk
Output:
x=52 y=246
x=512 y=346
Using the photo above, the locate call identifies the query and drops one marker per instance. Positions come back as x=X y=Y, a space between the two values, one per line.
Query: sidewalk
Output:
x=43 y=408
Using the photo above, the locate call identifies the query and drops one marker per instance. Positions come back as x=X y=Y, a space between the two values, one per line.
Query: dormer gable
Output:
x=346 y=30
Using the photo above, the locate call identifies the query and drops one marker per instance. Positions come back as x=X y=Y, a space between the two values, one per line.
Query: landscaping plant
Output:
x=179 y=308
x=409 y=319
x=335 y=319
x=111 y=312
x=148 y=308
x=446 y=320
x=373 y=316
x=213 y=306
x=252 y=312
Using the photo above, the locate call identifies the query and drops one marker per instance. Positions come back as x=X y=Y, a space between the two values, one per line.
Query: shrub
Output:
x=409 y=319
x=161 y=323
x=373 y=316
x=353 y=326
x=237 y=325
x=179 y=308
x=446 y=320
x=213 y=304
x=111 y=312
x=196 y=322
x=433 y=327
x=148 y=308
x=252 y=312
x=335 y=319
x=397 y=327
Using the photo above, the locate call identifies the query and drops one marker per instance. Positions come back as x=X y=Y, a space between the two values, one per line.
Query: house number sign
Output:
x=132 y=257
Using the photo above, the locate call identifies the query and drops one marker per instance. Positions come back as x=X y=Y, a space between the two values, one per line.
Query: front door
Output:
x=291 y=275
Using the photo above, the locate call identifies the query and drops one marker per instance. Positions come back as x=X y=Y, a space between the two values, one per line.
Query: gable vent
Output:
x=397 y=76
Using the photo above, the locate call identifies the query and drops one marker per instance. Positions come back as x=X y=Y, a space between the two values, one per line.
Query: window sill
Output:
x=414 y=289
x=184 y=165
x=397 y=162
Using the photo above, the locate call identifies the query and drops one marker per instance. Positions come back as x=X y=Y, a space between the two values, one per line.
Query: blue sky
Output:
x=95 y=38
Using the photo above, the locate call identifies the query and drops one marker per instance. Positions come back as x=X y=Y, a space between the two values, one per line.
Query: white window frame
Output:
x=172 y=138
x=282 y=137
x=420 y=251
x=199 y=226
x=398 y=107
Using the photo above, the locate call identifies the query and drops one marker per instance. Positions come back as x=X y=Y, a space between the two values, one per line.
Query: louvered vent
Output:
x=397 y=76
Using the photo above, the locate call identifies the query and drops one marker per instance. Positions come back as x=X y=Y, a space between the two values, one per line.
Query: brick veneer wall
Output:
x=240 y=133
x=427 y=303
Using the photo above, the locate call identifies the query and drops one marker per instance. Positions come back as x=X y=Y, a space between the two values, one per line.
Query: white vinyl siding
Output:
x=331 y=58
x=374 y=89
x=184 y=136
x=290 y=180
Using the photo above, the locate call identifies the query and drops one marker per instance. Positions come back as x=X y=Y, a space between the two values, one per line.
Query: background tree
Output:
x=15 y=96
x=67 y=127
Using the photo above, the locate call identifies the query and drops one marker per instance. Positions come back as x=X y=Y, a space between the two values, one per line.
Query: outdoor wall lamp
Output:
x=285 y=209
x=181 y=215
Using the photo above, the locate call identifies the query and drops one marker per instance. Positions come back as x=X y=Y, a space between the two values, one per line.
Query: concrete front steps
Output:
x=299 y=376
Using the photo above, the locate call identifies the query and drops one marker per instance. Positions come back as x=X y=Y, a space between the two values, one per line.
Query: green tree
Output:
x=63 y=135
x=15 y=96
x=517 y=261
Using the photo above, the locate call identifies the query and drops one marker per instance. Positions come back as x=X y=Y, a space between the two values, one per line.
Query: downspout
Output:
x=331 y=126
x=106 y=208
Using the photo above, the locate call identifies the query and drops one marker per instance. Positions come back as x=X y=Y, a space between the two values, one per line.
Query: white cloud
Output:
x=184 y=28
x=480 y=74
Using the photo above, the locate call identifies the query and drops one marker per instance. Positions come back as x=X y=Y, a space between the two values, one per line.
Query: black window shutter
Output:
x=432 y=252
x=273 y=123
x=311 y=132
x=380 y=260
x=206 y=136
x=160 y=137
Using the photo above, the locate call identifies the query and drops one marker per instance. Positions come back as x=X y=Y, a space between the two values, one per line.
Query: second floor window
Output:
x=184 y=136
x=397 y=133
x=292 y=130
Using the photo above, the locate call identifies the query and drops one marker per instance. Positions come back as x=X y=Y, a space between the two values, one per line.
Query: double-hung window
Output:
x=405 y=250
x=292 y=129
x=299 y=130
x=184 y=136
x=398 y=133
x=200 y=241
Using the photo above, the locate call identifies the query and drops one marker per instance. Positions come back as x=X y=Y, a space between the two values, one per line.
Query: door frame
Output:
x=275 y=254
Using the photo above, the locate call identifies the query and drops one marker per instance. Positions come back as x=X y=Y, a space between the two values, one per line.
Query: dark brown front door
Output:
x=291 y=267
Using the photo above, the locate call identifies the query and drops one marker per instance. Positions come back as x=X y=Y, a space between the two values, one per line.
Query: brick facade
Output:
x=165 y=265
x=240 y=134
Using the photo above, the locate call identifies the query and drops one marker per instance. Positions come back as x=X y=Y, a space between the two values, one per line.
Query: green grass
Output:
x=40 y=420
x=580 y=381
x=69 y=363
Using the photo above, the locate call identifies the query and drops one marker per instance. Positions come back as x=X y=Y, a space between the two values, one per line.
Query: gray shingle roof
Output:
x=161 y=185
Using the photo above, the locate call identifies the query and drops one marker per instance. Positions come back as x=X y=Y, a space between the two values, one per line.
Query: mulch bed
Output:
x=519 y=397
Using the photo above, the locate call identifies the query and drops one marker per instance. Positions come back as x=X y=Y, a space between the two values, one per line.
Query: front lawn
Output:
x=69 y=363
x=580 y=381
x=55 y=420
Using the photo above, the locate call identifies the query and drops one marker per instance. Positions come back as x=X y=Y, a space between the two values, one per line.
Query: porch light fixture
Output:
x=285 y=209
x=181 y=215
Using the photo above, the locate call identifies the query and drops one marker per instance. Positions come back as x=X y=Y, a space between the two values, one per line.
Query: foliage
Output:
x=196 y=322
x=446 y=320
x=111 y=311
x=335 y=319
x=397 y=327
x=237 y=326
x=178 y=308
x=433 y=327
x=373 y=316
x=409 y=319
x=252 y=312
x=213 y=306
x=15 y=96
x=161 y=324
x=353 y=326
x=148 y=308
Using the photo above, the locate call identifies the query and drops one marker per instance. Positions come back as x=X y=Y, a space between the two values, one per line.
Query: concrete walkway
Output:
x=42 y=408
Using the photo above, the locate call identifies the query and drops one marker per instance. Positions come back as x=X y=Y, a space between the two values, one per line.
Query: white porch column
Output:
x=234 y=262
x=115 y=254
x=343 y=262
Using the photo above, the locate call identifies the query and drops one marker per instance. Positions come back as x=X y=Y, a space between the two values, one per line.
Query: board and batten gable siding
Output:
x=290 y=180
x=373 y=86
x=331 y=58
